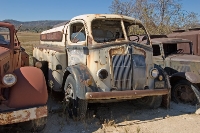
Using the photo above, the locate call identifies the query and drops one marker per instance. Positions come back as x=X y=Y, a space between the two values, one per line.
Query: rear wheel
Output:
x=76 y=107
x=183 y=93
x=152 y=102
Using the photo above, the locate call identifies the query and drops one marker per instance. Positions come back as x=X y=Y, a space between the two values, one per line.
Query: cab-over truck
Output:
x=91 y=58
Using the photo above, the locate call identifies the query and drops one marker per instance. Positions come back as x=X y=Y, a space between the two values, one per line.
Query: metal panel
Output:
x=23 y=115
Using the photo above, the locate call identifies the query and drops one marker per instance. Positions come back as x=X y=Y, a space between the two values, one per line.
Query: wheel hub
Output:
x=69 y=92
x=185 y=94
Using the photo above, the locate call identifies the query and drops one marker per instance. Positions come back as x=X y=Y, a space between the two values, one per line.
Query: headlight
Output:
x=154 y=73
x=9 y=79
x=102 y=74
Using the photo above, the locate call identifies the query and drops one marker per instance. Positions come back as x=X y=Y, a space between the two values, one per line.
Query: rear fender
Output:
x=84 y=80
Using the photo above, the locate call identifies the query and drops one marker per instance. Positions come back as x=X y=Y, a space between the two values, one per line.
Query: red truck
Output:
x=23 y=91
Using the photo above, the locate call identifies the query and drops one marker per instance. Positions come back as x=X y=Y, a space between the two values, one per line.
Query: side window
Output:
x=77 y=32
x=156 y=50
x=4 y=36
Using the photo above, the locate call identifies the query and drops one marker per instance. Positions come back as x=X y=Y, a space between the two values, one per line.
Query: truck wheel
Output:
x=152 y=102
x=34 y=125
x=76 y=107
x=183 y=93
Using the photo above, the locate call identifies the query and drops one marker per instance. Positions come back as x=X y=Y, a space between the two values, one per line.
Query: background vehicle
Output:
x=92 y=59
x=175 y=56
x=192 y=35
x=23 y=92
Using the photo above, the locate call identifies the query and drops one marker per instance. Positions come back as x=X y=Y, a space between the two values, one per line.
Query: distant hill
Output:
x=35 y=26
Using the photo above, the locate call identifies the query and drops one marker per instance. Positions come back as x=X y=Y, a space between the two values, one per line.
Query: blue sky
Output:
x=31 y=10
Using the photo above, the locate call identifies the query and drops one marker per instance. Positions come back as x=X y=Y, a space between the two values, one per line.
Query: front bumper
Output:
x=129 y=94
x=23 y=115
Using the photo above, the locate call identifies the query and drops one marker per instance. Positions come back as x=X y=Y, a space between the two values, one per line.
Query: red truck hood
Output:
x=184 y=57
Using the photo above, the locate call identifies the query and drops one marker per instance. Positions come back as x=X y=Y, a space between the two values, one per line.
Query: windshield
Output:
x=4 y=36
x=111 y=30
x=179 y=48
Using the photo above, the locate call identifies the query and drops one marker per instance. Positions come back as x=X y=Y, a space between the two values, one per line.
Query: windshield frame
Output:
x=123 y=30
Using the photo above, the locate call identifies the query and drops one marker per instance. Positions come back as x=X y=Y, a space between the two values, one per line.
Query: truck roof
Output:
x=89 y=18
x=169 y=40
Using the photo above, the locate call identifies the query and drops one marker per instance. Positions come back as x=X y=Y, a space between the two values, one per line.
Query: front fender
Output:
x=161 y=70
x=165 y=98
x=190 y=76
x=30 y=89
x=84 y=80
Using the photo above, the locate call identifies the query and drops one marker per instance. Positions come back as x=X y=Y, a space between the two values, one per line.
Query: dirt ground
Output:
x=120 y=117
x=123 y=117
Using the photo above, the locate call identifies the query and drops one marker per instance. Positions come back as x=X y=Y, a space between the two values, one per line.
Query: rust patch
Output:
x=119 y=50
x=90 y=40
x=54 y=36
x=131 y=94
x=41 y=111
x=141 y=50
x=23 y=115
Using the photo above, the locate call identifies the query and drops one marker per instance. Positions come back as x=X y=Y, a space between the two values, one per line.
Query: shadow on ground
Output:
x=102 y=114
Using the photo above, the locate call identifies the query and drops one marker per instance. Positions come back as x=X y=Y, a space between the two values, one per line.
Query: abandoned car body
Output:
x=175 y=56
x=192 y=35
x=91 y=59
x=23 y=96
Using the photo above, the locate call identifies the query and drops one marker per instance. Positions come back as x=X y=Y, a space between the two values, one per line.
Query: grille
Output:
x=123 y=71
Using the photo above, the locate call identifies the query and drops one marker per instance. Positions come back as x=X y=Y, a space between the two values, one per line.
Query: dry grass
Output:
x=25 y=37
x=28 y=40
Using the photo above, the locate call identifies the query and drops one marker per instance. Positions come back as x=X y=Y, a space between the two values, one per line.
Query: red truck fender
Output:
x=30 y=89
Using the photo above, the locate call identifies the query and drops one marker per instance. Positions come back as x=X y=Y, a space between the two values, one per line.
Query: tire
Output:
x=76 y=107
x=151 y=102
x=183 y=93
x=36 y=125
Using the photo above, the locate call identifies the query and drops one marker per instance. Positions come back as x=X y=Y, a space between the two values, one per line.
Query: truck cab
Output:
x=101 y=58
x=23 y=96
x=176 y=57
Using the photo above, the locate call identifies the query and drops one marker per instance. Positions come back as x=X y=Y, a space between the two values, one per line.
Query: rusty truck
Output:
x=23 y=91
x=92 y=59
x=192 y=34
x=176 y=57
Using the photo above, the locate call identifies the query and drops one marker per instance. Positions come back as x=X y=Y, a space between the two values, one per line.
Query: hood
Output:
x=184 y=57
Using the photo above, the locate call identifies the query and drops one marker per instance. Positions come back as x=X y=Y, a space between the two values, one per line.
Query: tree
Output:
x=159 y=16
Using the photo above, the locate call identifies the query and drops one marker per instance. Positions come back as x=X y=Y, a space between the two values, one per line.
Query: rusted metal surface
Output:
x=50 y=47
x=192 y=35
x=28 y=88
x=22 y=115
x=54 y=36
x=24 y=59
x=33 y=86
x=170 y=40
x=131 y=94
